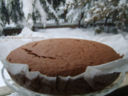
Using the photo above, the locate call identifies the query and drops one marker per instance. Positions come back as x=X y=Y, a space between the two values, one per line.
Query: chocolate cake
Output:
x=62 y=58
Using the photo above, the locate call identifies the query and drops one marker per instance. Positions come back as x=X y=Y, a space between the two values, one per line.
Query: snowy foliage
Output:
x=41 y=11
x=28 y=10
x=105 y=12
x=81 y=12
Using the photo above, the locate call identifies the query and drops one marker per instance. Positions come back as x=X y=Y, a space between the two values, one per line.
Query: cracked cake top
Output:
x=64 y=57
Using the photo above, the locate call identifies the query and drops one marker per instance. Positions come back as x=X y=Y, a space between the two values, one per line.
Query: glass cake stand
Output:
x=25 y=92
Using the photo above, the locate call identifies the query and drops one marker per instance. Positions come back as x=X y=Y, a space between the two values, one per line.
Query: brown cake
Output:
x=63 y=57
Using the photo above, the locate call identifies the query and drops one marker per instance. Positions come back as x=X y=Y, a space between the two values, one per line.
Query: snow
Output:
x=28 y=9
x=60 y=9
x=122 y=2
x=73 y=15
x=1 y=27
x=69 y=1
x=52 y=10
x=10 y=25
x=88 y=18
x=42 y=12
x=14 y=94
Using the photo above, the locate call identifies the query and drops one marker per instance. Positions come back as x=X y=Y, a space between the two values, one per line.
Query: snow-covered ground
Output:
x=117 y=41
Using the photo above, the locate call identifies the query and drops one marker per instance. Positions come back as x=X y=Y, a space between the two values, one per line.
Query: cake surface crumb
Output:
x=63 y=57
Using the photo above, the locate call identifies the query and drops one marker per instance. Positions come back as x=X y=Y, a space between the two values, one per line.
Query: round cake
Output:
x=62 y=57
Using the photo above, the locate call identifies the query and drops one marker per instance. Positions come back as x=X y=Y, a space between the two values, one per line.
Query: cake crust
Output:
x=62 y=57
